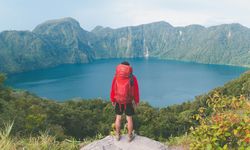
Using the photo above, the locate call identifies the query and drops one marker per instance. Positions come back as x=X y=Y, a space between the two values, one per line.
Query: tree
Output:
x=2 y=78
x=246 y=88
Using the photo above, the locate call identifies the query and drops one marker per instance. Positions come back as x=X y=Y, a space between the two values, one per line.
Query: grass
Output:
x=47 y=142
x=181 y=142
x=5 y=141
x=42 y=142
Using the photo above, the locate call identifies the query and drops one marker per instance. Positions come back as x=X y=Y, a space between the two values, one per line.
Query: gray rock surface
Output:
x=139 y=143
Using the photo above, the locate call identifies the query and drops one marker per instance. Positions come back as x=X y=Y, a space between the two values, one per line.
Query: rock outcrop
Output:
x=139 y=143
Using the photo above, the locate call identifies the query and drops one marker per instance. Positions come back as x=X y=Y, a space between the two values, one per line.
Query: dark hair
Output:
x=125 y=63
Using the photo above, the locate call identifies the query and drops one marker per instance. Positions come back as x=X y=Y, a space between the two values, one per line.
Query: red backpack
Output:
x=124 y=84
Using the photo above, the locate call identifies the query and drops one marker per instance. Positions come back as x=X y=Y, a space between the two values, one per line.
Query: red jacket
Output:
x=136 y=91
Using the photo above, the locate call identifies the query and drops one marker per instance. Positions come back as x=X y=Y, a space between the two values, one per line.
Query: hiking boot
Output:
x=117 y=137
x=131 y=137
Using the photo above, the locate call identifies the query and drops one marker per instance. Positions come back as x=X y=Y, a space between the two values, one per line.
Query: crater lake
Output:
x=161 y=82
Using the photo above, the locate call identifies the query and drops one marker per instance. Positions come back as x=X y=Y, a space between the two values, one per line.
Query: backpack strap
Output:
x=131 y=79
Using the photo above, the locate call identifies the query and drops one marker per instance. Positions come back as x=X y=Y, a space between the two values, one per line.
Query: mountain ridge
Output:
x=71 y=18
x=64 y=41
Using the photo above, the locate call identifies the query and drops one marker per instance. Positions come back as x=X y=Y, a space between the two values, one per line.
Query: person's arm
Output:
x=136 y=91
x=112 y=92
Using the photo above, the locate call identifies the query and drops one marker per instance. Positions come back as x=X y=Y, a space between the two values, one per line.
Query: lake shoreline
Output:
x=161 y=82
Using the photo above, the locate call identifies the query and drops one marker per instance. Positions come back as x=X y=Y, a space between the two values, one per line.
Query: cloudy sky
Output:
x=26 y=14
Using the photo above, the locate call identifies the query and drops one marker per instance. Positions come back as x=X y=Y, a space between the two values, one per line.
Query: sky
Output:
x=26 y=14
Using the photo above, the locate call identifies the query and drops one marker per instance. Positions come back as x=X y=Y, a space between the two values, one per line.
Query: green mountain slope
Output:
x=23 y=50
x=50 y=44
x=223 y=44
x=63 y=41
x=67 y=37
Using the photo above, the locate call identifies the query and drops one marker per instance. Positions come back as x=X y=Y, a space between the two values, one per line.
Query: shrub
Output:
x=227 y=128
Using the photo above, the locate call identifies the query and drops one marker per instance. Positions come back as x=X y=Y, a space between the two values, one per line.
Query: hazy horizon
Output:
x=26 y=15
x=125 y=26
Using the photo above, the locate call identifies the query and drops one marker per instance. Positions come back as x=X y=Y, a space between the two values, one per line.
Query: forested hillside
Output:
x=80 y=119
x=63 y=41
x=50 y=44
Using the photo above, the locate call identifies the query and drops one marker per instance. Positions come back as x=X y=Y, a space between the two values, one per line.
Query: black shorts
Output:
x=129 y=111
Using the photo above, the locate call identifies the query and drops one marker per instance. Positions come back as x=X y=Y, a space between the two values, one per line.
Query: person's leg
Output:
x=118 y=124
x=118 y=112
x=129 y=113
x=130 y=124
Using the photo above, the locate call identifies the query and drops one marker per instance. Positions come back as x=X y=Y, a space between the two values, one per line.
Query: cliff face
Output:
x=49 y=44
x=137 y=41
x=23 y=50
x=67 y=38
x=63 y=41
x=223 y=44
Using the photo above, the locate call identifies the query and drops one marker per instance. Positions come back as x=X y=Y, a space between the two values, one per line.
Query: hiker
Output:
x=124 y=96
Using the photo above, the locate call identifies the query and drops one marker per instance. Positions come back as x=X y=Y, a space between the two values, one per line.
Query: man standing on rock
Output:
x=124 y=94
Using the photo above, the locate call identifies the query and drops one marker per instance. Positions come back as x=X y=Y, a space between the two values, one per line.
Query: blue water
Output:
x=161 y=82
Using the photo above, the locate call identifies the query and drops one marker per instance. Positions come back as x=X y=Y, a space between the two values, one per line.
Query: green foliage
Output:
x=238 y=86
x=180 y=141
x=124 y=130
x=2 y=78
x=227 y=128
x=42 y=142
x=5 y=140
x=87 y=120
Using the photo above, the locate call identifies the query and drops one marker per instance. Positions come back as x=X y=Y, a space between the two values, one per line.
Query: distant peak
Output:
x=61 y=20
x=97 y=28
x=237 y=25
x=160 y=23
x=57 y=22
x=194 y=26
x=229 y=25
